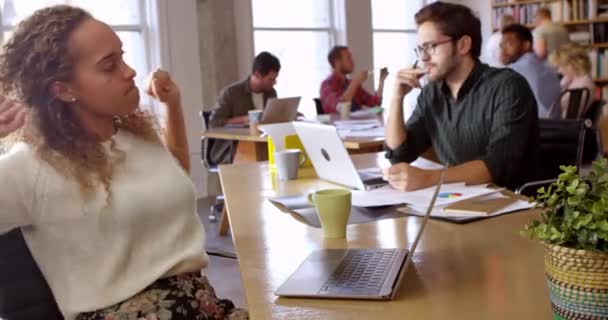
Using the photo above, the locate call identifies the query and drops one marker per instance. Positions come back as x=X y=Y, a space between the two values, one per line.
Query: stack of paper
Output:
x=368 y=112
x=357 y=124
x=360 y=128
x=370 y=133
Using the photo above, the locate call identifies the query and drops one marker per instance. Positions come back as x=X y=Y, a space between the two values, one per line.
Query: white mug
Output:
x=287 y=163
x=344 y=108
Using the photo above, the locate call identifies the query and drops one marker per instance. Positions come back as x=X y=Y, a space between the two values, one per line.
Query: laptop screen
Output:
x=412 y=249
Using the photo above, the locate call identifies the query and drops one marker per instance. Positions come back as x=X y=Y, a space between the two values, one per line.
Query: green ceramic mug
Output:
x=333 y=207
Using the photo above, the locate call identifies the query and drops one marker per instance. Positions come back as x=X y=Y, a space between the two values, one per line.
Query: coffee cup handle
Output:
x=303 y=159
x=311 y=199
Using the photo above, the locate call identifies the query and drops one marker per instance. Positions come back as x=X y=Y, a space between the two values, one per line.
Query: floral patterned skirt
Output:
x=182 y=297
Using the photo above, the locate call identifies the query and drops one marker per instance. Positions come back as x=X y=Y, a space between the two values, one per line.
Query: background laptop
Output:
x=276 y=111
x=374 y=274
x=330 y=158
x=281 y=110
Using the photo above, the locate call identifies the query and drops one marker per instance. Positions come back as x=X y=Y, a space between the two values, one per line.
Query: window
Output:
x=300 y=34
x=394 y=38
x=126 y=17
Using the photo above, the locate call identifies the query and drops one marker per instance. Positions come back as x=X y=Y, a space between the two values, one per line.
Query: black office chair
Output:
x=578 y=99
x=561 y=143
x=24 y=293
x=593 y=141
x=212 y=163
x=319 y=106
x=212 y=168
x=206 y=143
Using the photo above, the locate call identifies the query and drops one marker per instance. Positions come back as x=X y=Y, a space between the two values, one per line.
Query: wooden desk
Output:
x=481 y=270
x=237 y=134
x=254 y=147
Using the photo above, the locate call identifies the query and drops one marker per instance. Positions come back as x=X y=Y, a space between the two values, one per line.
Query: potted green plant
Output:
x=574 y=230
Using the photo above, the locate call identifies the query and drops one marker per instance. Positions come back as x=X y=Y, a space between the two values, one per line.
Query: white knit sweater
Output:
x=94 y=254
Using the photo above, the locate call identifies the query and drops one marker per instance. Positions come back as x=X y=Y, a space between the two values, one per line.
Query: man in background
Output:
x=481 y=121
x=338 y=88
x=491 y=52
x=235 y=100
x=517 y=54
x=548 y=36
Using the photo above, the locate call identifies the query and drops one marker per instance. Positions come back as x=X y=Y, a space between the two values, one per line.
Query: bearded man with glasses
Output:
x=480 y=120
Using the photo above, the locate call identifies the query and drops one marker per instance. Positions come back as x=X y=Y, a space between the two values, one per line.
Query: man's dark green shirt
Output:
x=493 y=119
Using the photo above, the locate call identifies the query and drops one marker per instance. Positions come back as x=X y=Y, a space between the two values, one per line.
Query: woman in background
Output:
x=572 y=61
x=105 y=205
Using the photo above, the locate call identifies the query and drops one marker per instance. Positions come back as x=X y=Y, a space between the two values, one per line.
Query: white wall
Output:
x=178 y=36
x=483 y=9
x=352 y=21
x=358 y=19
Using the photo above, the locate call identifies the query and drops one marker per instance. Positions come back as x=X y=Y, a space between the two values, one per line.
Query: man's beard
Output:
x=446 y=70
x=345 y=71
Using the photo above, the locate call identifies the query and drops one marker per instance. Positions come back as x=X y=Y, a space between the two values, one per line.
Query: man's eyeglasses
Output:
x=429 y=48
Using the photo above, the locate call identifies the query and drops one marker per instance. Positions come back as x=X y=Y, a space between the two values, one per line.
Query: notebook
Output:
x=481 y=205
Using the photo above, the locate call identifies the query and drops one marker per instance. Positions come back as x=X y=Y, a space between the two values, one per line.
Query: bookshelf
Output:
x=585 y=20
x=500 y=4
x=523 y=11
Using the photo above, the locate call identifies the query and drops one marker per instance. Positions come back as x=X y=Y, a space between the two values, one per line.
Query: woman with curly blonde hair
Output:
x=572 y=61
x=105 y=205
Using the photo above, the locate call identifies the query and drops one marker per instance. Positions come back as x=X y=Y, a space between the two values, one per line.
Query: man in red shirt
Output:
x=338 y=88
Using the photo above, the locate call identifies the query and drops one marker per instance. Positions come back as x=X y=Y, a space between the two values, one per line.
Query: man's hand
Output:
x=162 y=88
x=360 y=77
x=383 y=74
x=404 y=177
x=239 y=120
x=406 y=80
x=12 y=116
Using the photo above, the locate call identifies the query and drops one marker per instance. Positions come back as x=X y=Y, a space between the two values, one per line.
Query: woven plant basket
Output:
x=578 y=283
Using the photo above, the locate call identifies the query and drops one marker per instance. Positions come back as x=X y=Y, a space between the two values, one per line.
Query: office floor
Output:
x=223 y=273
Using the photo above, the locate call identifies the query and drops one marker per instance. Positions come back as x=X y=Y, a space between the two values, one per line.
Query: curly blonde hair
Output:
x=32 y=60
x=573 y=55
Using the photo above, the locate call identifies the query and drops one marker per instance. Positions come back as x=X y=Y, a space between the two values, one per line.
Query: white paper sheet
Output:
x=449 y=193
x=426 y=164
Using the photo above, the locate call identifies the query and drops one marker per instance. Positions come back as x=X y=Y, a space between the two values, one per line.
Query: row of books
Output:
x=564 y=10
x=522 y=14
x=599 y=63
x=582 y=9
x=601 y=93
x=596 y=33
x=600 y=32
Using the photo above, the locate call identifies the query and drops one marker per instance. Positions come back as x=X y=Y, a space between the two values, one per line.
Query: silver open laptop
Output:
x=277 y=110
x=374 y=274
x=330 y=158
x=281 y=110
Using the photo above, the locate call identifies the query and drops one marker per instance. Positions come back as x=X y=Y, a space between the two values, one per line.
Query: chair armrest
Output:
x=533 y=184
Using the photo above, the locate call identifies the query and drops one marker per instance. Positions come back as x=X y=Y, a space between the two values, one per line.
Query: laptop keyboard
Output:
x=361 y=272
